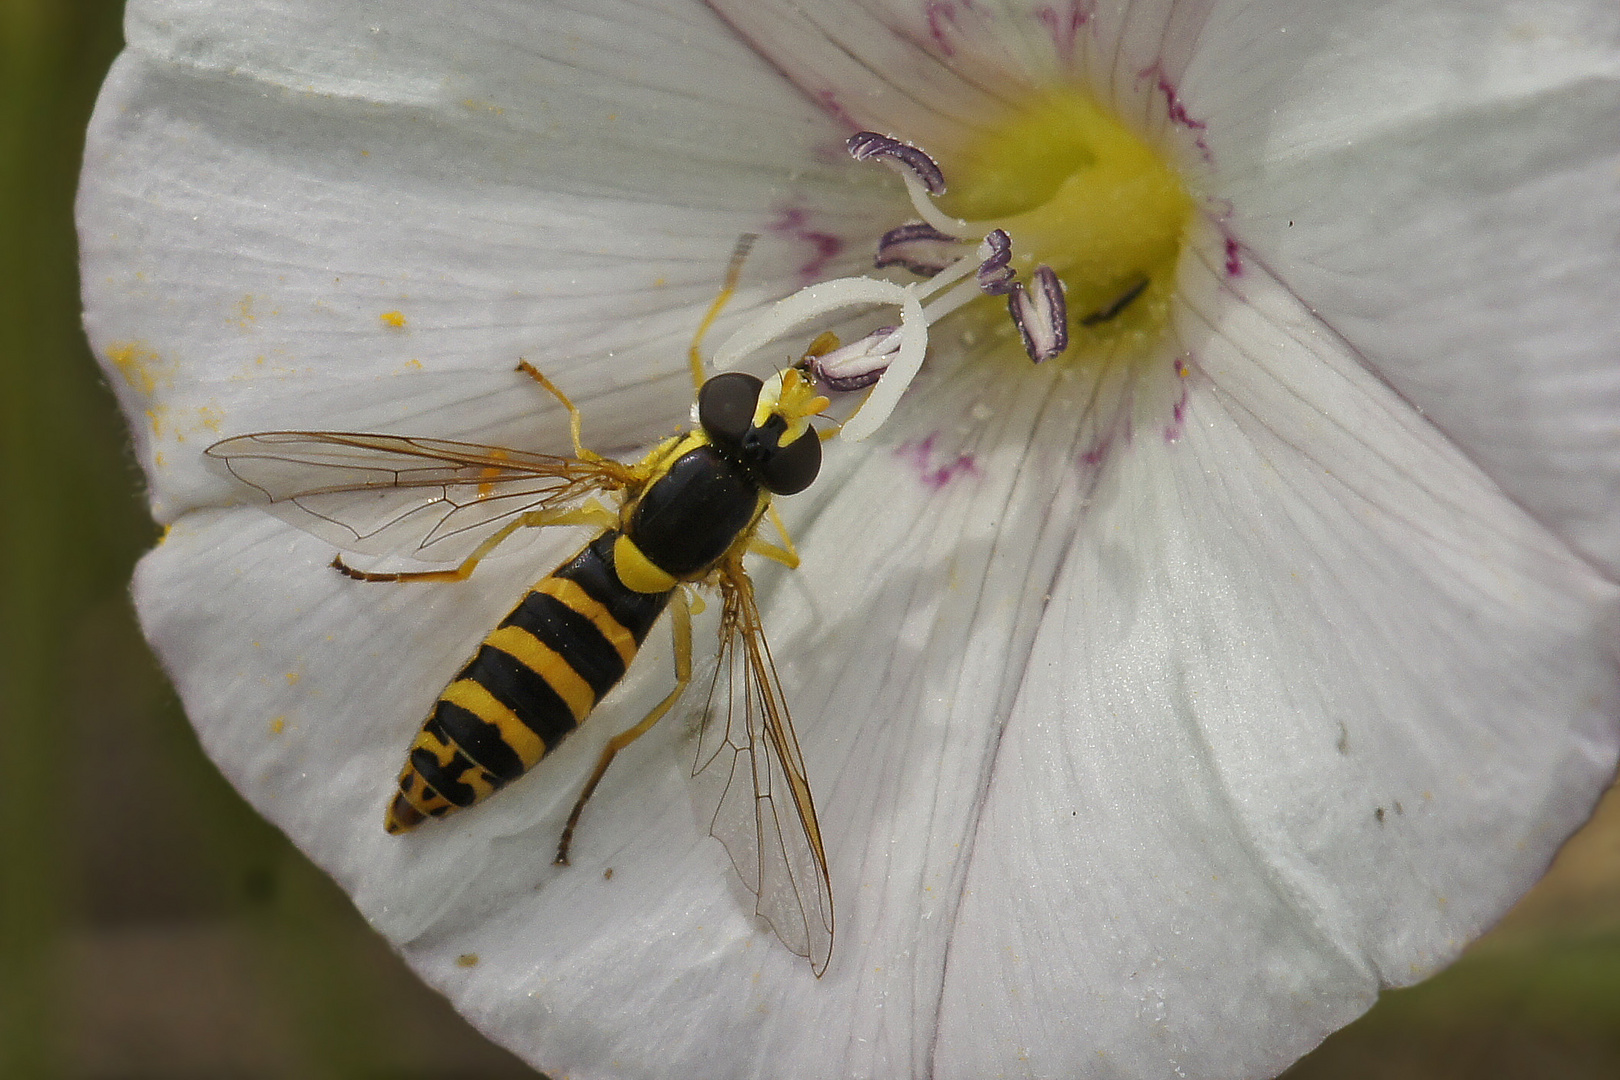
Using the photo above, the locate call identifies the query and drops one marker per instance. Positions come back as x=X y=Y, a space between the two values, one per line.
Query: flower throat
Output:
x=1079 y=192
x=1058 y=212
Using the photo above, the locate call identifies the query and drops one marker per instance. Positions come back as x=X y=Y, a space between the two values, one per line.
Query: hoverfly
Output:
x=685 y=515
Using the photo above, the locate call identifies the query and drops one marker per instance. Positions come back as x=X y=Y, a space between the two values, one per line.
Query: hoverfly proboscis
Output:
x=685 y=515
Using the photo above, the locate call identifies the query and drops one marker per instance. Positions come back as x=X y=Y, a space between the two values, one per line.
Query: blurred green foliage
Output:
x=152 y=926
x=63 y=488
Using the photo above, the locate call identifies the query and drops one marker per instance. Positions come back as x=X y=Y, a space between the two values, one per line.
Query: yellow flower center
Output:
x=1078 y=191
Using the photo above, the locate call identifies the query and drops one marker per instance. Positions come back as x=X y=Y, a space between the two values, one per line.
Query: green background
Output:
x=152 y=926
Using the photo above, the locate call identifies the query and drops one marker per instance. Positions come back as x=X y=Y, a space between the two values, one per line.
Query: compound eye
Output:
x=792 y=468
x=726 y=405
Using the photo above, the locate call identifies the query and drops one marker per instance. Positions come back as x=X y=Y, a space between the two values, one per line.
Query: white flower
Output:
x=1158 y=715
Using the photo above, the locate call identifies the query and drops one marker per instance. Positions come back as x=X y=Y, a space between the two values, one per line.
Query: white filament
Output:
x=886 y=394
x=923 y=203
x=808 y=303
x=814 y=301
x=956 y=271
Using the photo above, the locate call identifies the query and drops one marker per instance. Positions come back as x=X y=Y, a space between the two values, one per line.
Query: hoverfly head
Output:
x=767 y=425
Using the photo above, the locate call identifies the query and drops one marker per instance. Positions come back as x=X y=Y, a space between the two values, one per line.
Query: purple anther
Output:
x=865 y=145
x=859 y=364
x=996 y=277
x=1041 y=315
x=919 y=247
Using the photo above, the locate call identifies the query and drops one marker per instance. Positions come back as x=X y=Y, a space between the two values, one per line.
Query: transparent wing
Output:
x=765 y=817
x=398 y=495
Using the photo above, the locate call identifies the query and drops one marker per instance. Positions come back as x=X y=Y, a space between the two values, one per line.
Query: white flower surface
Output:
x=1156 y=721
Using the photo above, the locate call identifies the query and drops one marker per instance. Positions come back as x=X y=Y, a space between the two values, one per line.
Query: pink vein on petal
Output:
x=1065 y=26
x=793 y=222
x=1175 y=108
x=1178 y=412
x=921 y=454
x=1096 y=453
x=941 y=21
x=1234 y=258
x=828 y=100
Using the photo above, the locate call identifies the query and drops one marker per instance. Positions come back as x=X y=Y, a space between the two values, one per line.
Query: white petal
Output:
x=259 y=208
x=1438 y=181
x=1441 y=183
x=1306 y=554
x=307 y=688
x=1312 y=704
x=873 y=66
x=931 y=73
x=1277 y=593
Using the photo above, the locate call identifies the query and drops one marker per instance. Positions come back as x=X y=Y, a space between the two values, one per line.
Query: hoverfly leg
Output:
x=681 y=624
x=694 y=353
x=592 y=513
x=573 y=410
x=786 y=554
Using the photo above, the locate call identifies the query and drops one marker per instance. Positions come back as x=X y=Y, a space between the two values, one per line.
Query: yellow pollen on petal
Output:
x=1080 y=192
x=143 y=369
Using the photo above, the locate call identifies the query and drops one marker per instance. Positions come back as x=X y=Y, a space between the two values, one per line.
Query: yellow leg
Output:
x=694 y=355
x=592 y=513
x=573 y=411
x=787 y=554
x=682 y=627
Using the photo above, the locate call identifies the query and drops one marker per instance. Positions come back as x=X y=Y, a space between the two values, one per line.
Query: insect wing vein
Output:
x=391 y=494
x=765 y=819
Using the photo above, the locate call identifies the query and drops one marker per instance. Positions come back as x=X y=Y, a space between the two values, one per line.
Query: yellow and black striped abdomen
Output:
x=531 y=682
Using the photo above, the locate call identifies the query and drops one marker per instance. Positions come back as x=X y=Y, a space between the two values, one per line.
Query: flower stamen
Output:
x=918 y=247
x=996 y=275
x=924 y=179
x=1061 y=176
x=891 y=355
x=854 y=366
x=1041 y=315
x=901 y=350
x=913 y=161
x=1038 y=311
